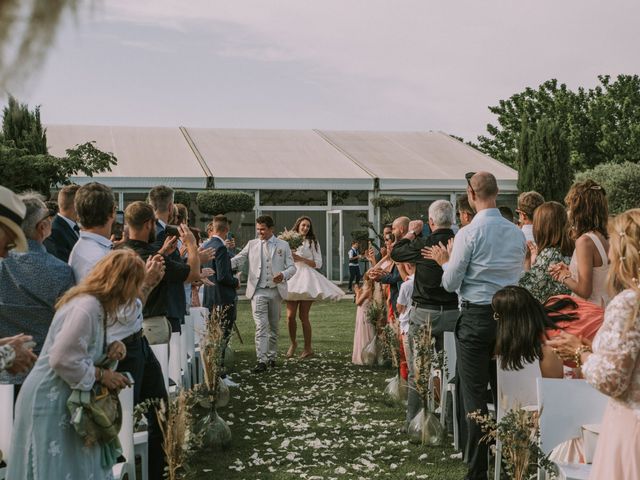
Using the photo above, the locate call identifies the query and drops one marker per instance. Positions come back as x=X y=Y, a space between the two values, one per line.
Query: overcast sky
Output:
x=330 y=64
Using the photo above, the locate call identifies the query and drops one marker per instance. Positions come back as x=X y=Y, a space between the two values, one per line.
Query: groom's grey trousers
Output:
x=441 y=321
x=266 y=304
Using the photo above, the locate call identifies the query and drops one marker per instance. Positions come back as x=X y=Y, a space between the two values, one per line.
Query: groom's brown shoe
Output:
x=260 y=367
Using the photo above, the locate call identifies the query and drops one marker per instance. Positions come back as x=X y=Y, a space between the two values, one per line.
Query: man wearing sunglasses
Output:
x=485 y=256
x=15 y=352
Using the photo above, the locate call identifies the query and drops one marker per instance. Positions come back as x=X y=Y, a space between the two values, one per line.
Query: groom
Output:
x=270 y=266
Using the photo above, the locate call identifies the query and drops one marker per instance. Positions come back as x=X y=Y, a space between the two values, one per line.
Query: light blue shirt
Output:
x=88 y=251
x=488 y=254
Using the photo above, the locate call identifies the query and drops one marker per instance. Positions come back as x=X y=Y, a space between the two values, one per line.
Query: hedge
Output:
x=621 y=182
x=216 y=202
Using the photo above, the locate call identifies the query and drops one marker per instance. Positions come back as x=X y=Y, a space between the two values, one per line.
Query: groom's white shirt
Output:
x=281 y=262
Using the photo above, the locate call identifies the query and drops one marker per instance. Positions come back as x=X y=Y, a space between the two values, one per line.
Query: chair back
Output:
x=199 y=317
x=161 y=352
x=6 y=419
x=126 y=430
x=517 y=388
x=565 y=405
x=450 y=356
x=175 y=359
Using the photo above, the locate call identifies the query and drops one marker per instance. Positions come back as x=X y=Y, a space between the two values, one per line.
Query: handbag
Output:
x=97 y=414
x=157 y=330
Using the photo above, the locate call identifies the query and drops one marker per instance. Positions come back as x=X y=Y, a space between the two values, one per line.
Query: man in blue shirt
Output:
x=486 y=255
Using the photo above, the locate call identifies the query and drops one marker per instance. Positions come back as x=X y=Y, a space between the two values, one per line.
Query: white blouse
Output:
x=310 y=252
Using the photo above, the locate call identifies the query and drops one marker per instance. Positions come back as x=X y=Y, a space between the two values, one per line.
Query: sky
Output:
x=330 y=64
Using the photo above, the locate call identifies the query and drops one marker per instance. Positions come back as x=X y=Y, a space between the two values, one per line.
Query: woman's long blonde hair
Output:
x=115 y=281
x=624 y=255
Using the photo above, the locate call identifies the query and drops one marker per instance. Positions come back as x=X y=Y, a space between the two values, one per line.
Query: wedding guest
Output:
x=528 y=202
x=431 y=302
x=465 y=212
x=70 y=359
x=354 y=265
x=552 y=244
x=524 y=324
x=588 y=212
x=270 y=267
x=364 y=330
x=404 y=306
x=95 y=207
x=15 y=353
x=612 y=364
x=64 y=230
x=487 y=255
x=306 y=286
x=222 y=294
x=31 y=283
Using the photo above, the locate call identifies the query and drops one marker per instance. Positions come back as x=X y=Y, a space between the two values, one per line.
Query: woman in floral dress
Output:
x=552 y=245
x=44 y=444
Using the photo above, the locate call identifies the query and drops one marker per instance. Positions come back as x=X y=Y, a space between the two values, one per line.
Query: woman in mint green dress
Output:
x=44 y=444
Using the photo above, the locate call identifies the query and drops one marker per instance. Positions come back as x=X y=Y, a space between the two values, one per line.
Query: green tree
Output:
x=25 y=162
x=601 y=124
x=544 y=160
x=220 y=202
x=621 y=181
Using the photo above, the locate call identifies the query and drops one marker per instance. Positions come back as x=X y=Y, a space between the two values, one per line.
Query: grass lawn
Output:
x=320 y=418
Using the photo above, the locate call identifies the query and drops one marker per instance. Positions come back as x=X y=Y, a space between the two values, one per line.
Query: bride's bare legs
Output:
x=292 y=308
x=305 y=308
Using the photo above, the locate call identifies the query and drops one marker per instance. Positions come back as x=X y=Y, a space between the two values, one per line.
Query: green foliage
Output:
x=600 y=124
x=220 y=202
x=183 y=197
x=360 y=235
x=620 y=181
x=544 y=160
x=25 y=162
x=387 y=202
x=21 y=128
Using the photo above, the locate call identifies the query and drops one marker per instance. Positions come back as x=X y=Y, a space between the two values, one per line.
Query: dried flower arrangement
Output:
x=518 y=433
x=293 y=238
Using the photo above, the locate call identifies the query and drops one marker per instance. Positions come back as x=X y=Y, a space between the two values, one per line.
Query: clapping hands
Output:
x=438 y=253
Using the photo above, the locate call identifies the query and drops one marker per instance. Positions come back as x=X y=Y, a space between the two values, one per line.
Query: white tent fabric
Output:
x=146 y=156
x=194 y=158
x=274 y=158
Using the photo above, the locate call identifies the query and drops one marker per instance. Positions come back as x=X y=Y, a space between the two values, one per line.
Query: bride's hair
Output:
x=310 y=235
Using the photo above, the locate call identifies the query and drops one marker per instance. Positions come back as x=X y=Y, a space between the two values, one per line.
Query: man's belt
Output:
x=428 y=306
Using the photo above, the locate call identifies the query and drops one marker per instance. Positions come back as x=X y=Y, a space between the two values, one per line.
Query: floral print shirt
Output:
x=613 y=367
x=7 y=355
x=538 y=281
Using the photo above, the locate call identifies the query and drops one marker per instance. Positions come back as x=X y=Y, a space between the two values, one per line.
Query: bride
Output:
x=306 y=286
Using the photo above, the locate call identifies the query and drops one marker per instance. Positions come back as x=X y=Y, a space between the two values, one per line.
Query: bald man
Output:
x=487 y=255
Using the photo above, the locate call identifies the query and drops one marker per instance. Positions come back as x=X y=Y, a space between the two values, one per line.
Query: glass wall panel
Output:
x=293 y=197
x=350 y=197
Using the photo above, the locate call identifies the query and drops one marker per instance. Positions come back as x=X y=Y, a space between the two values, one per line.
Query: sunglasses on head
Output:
x=468 y=176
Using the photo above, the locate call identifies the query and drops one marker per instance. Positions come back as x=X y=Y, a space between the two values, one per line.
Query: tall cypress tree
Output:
x=21 y=128
x=524 y=160
x=545 y=154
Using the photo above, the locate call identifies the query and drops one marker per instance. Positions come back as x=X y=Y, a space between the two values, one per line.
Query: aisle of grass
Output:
x=320 y=418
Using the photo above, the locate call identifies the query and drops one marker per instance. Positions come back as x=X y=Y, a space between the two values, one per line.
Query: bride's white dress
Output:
x=308 y=283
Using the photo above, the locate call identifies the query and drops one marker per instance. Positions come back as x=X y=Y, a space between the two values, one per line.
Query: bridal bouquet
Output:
x=293 y=238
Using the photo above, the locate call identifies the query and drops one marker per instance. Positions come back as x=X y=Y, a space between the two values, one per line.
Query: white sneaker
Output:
x=230 y=383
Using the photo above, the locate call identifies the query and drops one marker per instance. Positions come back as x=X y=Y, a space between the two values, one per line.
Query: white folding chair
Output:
x=161 y=352
x=175 y=360
x=6 y=421
x=451 y=357
x=516 y=389
x=565 y=405
x=199 y=316
x=126 y=470
x=141 y=449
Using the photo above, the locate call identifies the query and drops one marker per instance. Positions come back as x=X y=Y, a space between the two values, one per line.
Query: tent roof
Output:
x=273 y=158
x=147 y=156
x=417 y=160
x=192 y=158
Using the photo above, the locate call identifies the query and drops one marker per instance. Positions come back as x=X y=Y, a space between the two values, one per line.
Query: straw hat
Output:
x=12 y=212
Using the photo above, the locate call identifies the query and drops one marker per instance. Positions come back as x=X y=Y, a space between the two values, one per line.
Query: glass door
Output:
x=335 y=246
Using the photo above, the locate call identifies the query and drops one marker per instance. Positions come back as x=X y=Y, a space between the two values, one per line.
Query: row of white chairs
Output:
x=564 y=405
x=179 y=361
